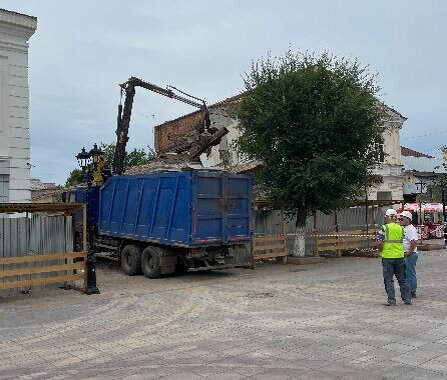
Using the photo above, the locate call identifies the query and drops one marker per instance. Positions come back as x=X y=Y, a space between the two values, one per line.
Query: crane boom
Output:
x=135 y=82
x=125 y=112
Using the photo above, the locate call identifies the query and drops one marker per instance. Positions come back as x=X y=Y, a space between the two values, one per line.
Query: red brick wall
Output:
x=178 y=127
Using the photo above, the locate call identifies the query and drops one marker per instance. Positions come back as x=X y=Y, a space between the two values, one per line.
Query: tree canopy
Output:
x=74 y=178
x=136 y=157
x=314 y=122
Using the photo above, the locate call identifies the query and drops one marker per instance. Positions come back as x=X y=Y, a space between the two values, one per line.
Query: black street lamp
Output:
x=84 y=159
x=95 y=154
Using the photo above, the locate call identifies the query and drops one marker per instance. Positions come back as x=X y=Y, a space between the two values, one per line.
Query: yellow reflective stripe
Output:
x=387 y=232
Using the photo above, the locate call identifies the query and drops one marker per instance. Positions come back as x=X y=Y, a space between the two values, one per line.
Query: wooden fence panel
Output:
x=267 y=247
x=71 y=269
x=346 y=240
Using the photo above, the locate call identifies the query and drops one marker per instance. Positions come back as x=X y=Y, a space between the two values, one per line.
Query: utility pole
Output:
x=420 y=202
x=366 y=214
x=444 y=216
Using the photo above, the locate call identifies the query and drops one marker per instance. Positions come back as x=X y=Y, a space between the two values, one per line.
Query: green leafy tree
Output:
x=136 y=157
x=314 y=122
x=74 y=178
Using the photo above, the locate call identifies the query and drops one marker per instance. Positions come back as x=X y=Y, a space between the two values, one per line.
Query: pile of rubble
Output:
x=167 y=164
x=247 y=167
x=171 y=162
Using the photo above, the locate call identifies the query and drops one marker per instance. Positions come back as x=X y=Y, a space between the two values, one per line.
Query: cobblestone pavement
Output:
x=323 y=321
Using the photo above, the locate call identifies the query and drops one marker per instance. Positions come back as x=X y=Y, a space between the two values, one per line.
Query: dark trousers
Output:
x=391 y=268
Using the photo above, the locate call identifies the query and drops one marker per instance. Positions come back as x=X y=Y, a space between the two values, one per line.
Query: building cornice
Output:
x=18 y=18
x=21 y=24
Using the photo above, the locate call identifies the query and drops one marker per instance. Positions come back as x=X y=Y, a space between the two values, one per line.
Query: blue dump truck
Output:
x=172 y=221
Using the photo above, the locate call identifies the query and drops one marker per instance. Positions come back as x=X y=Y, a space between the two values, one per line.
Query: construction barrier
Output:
x=269 y=247
x=345 y=241
x=47 y=267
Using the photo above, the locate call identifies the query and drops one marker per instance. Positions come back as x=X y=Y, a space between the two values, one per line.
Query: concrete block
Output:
x=305 y=260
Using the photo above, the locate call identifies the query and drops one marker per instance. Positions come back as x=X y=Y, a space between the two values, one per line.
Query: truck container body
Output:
x=188 y=209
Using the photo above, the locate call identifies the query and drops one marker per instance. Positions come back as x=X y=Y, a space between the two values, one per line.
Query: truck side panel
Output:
x=189 y=209
x=152 y=207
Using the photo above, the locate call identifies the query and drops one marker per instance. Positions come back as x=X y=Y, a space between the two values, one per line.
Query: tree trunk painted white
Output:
x=299 y=249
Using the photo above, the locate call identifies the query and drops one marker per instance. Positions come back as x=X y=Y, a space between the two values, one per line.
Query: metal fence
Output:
x=35 y=234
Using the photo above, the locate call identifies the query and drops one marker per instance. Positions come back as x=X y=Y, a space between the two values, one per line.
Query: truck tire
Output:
x=131 y=260
x=150 y=262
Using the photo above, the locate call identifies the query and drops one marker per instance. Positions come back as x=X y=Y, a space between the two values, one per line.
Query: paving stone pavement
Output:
x=324 y=321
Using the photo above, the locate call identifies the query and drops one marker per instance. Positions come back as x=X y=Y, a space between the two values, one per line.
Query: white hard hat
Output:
x=407 y=214
x=391 y=212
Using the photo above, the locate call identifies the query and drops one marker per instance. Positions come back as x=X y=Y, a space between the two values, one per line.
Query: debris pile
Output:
x=167 y=164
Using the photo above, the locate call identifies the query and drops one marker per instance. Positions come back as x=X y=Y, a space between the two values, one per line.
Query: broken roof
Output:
x=412 y=153
x=230 y=100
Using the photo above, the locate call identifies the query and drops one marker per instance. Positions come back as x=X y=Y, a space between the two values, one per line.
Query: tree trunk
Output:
x=300 y=241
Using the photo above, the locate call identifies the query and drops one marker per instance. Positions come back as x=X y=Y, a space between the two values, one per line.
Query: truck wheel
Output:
x=150 y=262
x=131 y=260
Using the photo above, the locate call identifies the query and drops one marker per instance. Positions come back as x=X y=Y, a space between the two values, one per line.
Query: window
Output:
x=384 y=195
x=4 y=188
x=381 y=157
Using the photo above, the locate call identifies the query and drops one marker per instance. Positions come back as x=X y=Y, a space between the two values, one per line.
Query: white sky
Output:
x=83 y=49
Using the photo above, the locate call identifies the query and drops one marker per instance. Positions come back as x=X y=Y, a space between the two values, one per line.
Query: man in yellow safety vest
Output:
x=390 y=243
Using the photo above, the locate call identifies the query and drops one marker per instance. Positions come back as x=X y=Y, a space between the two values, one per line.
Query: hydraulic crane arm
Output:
x=135 y=82
x=125 y=112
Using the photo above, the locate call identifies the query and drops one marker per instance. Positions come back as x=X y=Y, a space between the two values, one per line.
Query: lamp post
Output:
x=444 y=219
x=95 y=153
x=443 y=200
x=84 y=160
x=366 y=214
x=421 y=219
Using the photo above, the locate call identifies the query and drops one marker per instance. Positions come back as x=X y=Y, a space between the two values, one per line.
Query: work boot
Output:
x=413 y=295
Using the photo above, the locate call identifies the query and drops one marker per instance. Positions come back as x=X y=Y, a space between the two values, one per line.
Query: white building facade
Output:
x=388 y=179
x=15 y=31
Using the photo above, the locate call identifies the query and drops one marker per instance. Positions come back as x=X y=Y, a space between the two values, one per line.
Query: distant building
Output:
x=387 y=180
x=419 y=171
x=45 y=192
x=15 y=31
